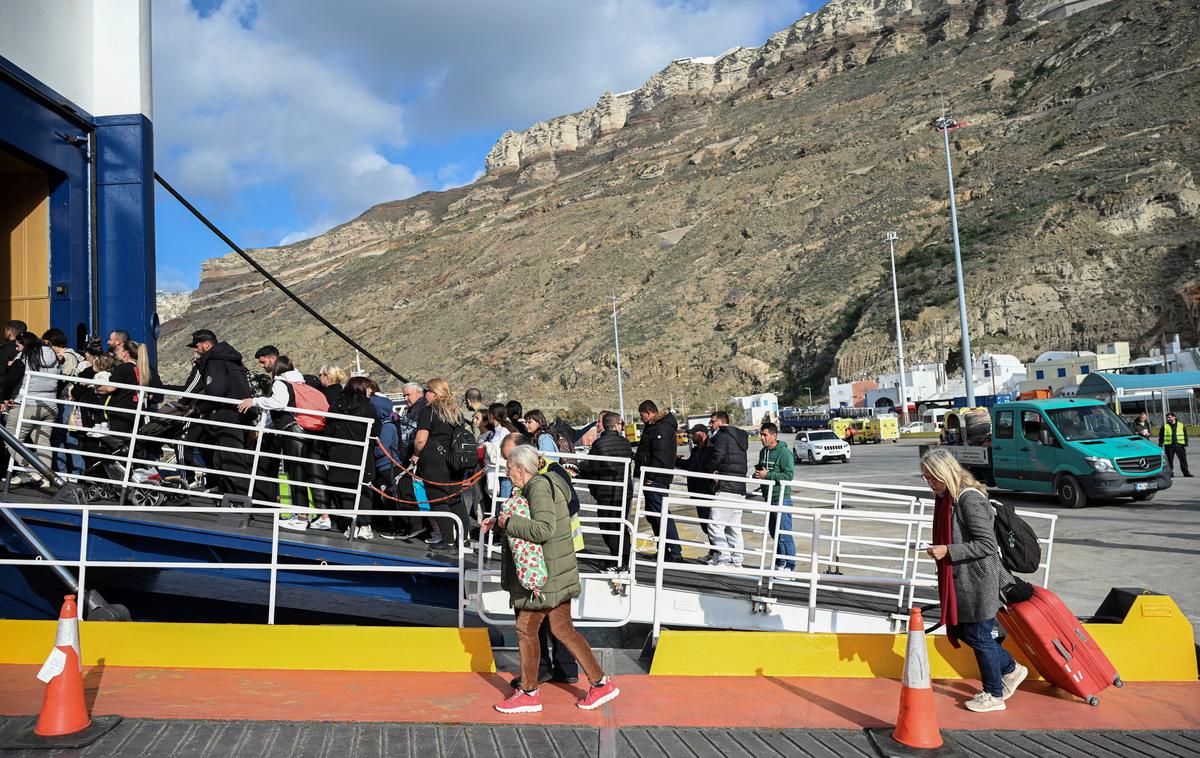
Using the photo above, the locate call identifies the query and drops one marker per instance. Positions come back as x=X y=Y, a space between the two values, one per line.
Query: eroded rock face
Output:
x=739 y=216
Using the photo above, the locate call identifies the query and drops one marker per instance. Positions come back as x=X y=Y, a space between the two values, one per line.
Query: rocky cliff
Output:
x=737 y=207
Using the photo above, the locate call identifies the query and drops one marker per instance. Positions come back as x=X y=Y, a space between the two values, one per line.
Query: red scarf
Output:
x=943 y=534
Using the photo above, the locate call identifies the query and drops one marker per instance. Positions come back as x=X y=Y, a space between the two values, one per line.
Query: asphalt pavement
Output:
x=1153 y=544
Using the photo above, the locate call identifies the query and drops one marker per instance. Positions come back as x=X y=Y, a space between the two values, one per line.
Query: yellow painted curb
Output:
x=866 y=656
x=257 y=646
x=1153 y=644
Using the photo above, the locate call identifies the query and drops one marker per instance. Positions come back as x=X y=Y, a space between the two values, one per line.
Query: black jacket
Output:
x=700 y=461
x=729 y=445
x=611 y=444
x=8 y=353
x=656 y=448
x=349 y=404
x=219 y=373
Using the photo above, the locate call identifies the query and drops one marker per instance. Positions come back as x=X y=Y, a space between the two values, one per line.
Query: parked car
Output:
x=820 y=445
x=912 y=427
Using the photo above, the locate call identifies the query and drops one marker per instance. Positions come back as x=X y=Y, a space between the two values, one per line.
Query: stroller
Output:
x=157 y=476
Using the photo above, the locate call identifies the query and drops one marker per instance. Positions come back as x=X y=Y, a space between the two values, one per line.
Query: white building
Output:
x=997 y=374
x=756 y=408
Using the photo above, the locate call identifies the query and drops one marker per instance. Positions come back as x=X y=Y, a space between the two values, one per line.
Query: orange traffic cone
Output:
x=63 y=709
x=916 y=732
x=63 y=722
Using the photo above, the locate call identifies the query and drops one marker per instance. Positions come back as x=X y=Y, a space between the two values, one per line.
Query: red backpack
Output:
x=310 y=399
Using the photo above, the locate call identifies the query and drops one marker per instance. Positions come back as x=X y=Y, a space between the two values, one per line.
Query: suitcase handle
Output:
x=1062 y=650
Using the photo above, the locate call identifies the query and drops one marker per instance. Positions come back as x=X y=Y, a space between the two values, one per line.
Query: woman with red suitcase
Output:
x=970 y=575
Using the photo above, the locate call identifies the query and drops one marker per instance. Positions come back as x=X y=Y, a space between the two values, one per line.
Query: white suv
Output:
x=821 y=445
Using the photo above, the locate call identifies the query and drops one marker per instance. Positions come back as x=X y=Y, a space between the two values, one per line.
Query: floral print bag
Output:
x=528 y=557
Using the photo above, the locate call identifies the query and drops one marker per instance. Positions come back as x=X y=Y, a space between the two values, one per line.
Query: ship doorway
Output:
x=24 y=244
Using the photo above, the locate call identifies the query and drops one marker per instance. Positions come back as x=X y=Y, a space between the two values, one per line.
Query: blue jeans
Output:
x=654 y=502
x=787 y=545
x=994 y=661
x=63 y=442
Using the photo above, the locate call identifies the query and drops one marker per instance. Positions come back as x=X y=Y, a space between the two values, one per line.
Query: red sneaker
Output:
x=599 y=694
x=521 y=702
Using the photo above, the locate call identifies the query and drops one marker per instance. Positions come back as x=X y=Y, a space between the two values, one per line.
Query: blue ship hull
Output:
x=223 y=595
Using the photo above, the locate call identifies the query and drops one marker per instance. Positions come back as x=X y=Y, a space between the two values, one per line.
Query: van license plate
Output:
x=1143 y=486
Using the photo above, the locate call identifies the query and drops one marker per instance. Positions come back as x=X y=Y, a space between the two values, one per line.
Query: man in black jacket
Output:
x=8 y=354
x=729 y=445
x=611 y=444
x=656 y=449
x=700 y=462
x=219 y=372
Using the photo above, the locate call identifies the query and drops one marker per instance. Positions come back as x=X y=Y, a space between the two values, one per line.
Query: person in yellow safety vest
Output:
x=1173 y=439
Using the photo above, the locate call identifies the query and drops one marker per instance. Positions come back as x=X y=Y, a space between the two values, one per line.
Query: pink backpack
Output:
x=310 y=399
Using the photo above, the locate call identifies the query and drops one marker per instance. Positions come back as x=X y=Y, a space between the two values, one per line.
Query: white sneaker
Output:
x=1013 y=680
x=295 y=523
x=321 y=524
x=984 y=703
x=364 y=533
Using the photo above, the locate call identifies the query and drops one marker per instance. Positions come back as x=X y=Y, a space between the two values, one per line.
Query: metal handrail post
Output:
x=660 y=561
x=639 y=495
x=626 y=502
x=367 y=455
x=274 y=571
x=837 y=528
x=1049 y=551
x=12 y=459
x=260 y=427
x=130 y=453
x=81 y=591
x=812 y=585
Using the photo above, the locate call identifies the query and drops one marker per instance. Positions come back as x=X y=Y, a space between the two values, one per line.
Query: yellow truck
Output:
x=849 y=429
x=881 y=429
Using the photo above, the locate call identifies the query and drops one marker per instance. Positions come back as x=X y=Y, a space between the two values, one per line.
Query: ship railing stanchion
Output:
x=130 y=453
x=260 y=431
x=274 y=571
x=20 y=409
x=84 y=526
x=363 y=478
x=660 y=559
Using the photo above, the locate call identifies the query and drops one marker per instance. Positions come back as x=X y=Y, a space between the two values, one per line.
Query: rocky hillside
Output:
x=737 y=207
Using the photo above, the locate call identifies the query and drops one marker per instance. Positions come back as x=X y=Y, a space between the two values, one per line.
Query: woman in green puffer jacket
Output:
x=548 y=525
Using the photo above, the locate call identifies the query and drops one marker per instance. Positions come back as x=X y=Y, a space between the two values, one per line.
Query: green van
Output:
x=1074 y=448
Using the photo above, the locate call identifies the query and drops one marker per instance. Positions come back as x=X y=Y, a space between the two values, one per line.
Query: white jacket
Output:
x=492 y=443
x=42 y=387
x=279 y=397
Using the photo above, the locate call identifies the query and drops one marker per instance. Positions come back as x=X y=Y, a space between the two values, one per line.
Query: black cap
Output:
x=699 y=428
x=202 y=335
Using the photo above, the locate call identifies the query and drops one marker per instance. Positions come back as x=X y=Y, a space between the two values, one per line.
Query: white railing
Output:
x=604 y=521
x=115 y=473
x=1043 y=524
x=704 y=499
x=273 y=566
x=813 y=578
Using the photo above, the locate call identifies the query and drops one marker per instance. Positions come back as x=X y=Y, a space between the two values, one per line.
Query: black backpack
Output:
x=1020 y=551
x=463 y=455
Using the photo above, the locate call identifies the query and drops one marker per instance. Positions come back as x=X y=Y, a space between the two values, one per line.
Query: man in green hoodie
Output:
x=775 y=464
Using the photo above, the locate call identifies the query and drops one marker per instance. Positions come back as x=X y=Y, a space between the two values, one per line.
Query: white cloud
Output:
x=236 y=108
x=314 y=95
x=463 y=63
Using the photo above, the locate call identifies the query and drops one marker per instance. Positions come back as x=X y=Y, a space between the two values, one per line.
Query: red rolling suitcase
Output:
x=1059 y=647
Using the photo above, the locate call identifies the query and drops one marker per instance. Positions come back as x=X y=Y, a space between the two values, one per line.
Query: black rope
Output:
x=282 y=287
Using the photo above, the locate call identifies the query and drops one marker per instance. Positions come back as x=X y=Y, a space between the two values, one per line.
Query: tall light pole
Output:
x=945 y=125
x=891 y=238
x=617 y=343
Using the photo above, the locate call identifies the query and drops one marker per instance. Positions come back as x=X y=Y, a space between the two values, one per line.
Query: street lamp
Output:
x=617 y=343
x=945 y=125
x=891 y=238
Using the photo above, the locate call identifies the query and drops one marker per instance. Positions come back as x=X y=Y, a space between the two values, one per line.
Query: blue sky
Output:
x=282 y=118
